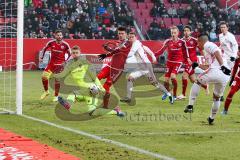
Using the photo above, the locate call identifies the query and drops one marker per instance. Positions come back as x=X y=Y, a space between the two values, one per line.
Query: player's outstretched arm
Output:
x=161 y=51
x=150 y=53
x=48 y=45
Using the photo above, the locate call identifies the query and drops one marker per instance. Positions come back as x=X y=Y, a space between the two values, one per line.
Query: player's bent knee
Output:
x=173 y=76
x=185 y=75
x=192 y=78
x=46 y=75
x=216 y=97
x=130 y=78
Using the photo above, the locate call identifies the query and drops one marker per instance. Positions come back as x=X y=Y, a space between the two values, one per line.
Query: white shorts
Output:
x=148 y=73
x=216 y=77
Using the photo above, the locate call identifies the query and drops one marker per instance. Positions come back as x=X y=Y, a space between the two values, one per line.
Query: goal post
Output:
x=11 y=56
x=19 y=68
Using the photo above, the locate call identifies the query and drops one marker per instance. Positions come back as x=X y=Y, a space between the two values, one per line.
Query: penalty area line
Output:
x=120 y=144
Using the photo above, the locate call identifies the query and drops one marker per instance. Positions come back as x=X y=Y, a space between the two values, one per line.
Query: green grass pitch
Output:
x=176 y=135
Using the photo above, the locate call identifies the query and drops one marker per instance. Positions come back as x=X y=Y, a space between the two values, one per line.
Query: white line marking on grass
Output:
x=170 y=133
x=136 y=149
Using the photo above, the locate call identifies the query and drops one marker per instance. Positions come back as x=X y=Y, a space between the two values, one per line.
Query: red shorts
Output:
x=188 y=69
x=53 y=68
x=110 y=74
x=172 y=67
x=236 y=84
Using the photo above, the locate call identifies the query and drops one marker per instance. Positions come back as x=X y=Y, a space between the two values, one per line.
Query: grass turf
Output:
x=152 y=124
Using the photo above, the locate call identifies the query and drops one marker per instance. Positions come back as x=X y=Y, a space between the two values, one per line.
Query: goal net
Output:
x=10 y=58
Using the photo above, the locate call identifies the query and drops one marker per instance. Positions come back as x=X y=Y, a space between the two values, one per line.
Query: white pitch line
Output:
x=136 y=149
x=170 y=133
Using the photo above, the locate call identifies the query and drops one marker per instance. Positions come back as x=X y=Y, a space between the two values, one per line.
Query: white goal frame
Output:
x=19 y=63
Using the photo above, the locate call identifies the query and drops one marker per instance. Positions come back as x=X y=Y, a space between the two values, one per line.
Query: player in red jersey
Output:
x=58 y=49
x=176 y=49
x=191 y=45
x=114 y=69
x=234 y=83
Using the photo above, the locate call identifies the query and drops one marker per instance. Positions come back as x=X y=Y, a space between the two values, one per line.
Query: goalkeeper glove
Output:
x=225 y=70
x=232 y=59
x=194 y=65
x=102 y=57
x=231 y=81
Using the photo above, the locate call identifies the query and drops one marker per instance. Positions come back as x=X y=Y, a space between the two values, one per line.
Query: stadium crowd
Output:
x=78 y=19
x=203 y=15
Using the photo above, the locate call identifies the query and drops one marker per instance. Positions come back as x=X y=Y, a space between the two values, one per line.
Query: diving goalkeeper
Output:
x=89 y=87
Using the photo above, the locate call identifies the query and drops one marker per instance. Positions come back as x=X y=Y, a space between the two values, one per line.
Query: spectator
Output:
x=154 y=24
x=172 y=12
x=106 y=18
x=101 y=9
x=213 y=36
x=181 y=12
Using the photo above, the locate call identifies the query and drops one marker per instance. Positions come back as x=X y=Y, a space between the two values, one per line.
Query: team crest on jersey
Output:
x=180 y=44
x=191 y=42
x=62 y=47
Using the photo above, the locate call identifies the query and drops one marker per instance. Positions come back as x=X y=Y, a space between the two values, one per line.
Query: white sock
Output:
x=162 y=89
x=194 y=93
x=129 y=88
x=215 y=108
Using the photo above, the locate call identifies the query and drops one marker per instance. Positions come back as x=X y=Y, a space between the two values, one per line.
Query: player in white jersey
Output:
x=228 y=44
x=216 y=73
x=138 y=60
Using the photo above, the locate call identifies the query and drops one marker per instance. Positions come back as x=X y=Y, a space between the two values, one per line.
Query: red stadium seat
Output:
x=137 y=13
x=184 y=6
x=148 y=1
x=166 y=2
x=176 y=21
x=168 y=21
x=149 y=6
x=176 y=5
x=237 y=38
x=168 y=5
x=184 y=21
x=146 y=13
x=133 y=5
x=142 y=6
x=2 y=20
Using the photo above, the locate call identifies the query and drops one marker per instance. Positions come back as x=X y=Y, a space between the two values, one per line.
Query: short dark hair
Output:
x=133 y=33
x=189 y=27
x=223 y=23
x=203 y=36
x=76 y=48
x=58 y=31
x=122 y=29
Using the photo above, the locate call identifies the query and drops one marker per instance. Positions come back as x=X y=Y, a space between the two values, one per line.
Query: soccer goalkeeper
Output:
x=90 y=86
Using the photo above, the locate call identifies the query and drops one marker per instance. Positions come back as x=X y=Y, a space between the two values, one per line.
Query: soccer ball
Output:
x=94 y=90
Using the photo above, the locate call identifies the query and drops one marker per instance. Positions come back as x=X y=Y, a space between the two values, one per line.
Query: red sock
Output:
x=106 y=100
x=184 y=86
x=45 y=84
x=166 y=85
x=227 y=103
x=107 y=87
x=204 y=86
x=57 y=87
x=174 y=82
